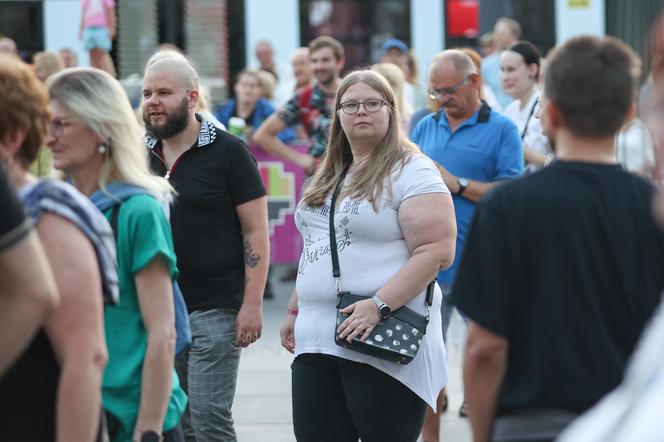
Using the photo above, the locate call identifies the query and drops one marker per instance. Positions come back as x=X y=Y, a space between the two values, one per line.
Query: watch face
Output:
x=463 y=182
x=385 y=311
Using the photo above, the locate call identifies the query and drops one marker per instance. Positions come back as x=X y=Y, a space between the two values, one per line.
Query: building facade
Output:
x=220 y=35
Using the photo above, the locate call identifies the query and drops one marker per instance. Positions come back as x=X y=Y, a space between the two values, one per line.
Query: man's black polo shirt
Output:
x=213 y=177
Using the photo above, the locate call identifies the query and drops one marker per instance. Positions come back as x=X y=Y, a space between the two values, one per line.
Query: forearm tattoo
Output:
x=251 y=258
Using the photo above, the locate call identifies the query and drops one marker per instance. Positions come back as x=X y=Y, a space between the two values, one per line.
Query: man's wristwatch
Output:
x=463 y=183
x=384 y=310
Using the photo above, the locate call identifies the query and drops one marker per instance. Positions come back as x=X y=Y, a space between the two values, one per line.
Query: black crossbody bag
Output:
x=397 y=338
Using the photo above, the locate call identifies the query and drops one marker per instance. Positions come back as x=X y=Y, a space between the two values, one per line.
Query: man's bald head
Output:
x=7 y=45
x=176 y=64
x=459 y=61
x=265 y=53
x=455 y=83
x=299 y=53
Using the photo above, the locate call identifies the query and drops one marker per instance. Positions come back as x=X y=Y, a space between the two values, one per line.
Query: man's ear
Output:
x=631 y=114
x=12 y=142
x=341 y=63
x=193 y=98
x=474 y=80
x=551 y=118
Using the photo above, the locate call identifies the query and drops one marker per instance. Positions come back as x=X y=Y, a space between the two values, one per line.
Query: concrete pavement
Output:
x=262 y=409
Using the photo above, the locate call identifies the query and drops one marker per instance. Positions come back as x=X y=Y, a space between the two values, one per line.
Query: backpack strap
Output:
x=115 y=210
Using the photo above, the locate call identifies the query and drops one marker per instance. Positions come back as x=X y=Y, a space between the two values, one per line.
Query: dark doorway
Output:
x=23 y=22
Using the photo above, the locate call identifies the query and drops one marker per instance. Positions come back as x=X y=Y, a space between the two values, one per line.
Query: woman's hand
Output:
x=287 y=333
x=363 y=318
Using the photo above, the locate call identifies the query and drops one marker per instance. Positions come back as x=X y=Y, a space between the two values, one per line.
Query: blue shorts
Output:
x=98 y=38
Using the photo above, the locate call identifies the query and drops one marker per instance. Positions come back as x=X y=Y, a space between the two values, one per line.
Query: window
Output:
x=23 y=21
x=537 y=19
x=462 y=25
x=360 y=25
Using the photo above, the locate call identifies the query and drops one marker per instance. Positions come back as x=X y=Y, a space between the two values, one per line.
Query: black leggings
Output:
x=338 y=400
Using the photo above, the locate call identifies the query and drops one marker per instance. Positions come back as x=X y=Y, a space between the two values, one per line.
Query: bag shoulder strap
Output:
x=334 y=253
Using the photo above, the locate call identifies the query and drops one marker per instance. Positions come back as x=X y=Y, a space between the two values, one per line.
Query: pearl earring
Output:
x=102 y=149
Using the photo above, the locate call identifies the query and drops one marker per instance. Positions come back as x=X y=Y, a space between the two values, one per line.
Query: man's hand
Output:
x=450 y=180
x=306 y=162
x=475 y=190
x=249 y=324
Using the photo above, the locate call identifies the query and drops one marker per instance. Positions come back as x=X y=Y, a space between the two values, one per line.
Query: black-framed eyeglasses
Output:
x=437 y=94
x=352 y=107
x=57 y=126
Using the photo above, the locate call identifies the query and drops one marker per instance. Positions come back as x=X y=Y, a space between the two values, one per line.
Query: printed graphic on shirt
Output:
x=95 y=8
x=319 y=247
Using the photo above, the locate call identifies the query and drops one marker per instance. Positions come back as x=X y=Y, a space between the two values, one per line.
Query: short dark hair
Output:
x=325 y=41
x=592 y=81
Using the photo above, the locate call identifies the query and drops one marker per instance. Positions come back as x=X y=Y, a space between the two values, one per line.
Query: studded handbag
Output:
x=397 y=338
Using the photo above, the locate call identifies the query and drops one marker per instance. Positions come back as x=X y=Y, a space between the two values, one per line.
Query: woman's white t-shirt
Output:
x=372 y=250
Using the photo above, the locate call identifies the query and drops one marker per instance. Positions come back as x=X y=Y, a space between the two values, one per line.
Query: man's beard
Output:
x=175 y=123
x=326 y=79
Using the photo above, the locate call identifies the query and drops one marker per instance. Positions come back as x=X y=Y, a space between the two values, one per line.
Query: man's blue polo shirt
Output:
x=486 y=147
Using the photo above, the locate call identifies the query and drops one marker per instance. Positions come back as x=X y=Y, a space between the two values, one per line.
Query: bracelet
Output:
x=292 y=311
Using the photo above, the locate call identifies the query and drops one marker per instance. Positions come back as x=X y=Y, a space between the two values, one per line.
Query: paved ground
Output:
x=263 y=402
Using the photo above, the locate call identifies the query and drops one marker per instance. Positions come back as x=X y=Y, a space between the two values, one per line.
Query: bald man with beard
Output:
x=220 y=231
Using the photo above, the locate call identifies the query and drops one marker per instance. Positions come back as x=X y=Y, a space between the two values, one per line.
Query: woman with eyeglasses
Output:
x=394 y=229
x=97 y=143
x=520 y=70
x=52 y=392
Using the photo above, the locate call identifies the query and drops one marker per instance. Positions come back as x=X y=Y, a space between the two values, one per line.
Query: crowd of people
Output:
x=496 y=190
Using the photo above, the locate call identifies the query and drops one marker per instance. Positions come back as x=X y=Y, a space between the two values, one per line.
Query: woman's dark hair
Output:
x=592 y=81
x=529 y=52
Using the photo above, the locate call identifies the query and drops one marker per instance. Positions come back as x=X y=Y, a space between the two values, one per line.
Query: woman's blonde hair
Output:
x=267 y=82
x=394 y=75
x=370 y=178
x=99 y=101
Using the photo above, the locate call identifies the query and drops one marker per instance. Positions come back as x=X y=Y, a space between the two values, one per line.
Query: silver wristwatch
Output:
x=384 y=310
